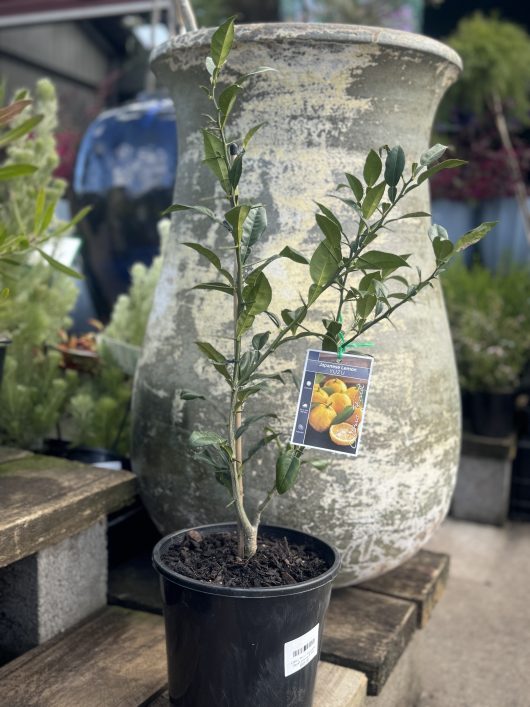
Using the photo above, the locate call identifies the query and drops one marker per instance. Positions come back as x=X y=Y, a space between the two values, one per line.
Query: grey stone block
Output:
x=46 y=593
x=482 y=492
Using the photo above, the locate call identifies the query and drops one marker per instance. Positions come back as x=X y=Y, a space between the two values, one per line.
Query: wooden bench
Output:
x=53 y=554
x=117 y=657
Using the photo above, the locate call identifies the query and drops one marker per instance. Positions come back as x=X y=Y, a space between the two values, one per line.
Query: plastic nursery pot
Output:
x=492 y=414
x=235 y=647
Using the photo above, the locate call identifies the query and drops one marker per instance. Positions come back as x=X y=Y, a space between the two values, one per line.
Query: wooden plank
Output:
x=367 y=632
x=335 y=687
x=44 y=500
x=9 y=454
x=422 y=580
x=116 y=659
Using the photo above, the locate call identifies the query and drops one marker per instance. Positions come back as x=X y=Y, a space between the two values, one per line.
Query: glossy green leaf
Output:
x=380 y=260
x=190 y=395
x=236 y=169
x=219 y=286
x=210 y=65
x=227 y=100
x=253 y=228
x=323 y=264
x=294 y=255
x=263 y=442
x=248 y=137
x=202 y=210
x=331 y=230
x=205 y=439
x=372 y=198
x=331 y=216
x=257 y=295
x=236 y=218
x=394 y=166
x=365 y=305
x=222 y=41
x=215 y=159
x=259 y=340
x=251 y=420
x=446 y=164
x=432 y=154
x=259 y=70
x=210 y=351
x=443 y=248
x=474 y=236
x=287 y=468
x=356 y=186
x=372 y=168
x=206 y=253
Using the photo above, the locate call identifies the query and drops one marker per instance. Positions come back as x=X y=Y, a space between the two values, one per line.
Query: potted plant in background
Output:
x=244 y=603
x=490 y=323
x=485 y=117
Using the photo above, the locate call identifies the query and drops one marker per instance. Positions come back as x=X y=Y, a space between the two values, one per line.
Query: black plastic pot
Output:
x=233 y=647
x=491 y=414
x=86 y=455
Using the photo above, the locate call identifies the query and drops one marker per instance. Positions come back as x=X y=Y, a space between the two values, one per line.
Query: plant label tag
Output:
x=332 y=402
x=301 y=651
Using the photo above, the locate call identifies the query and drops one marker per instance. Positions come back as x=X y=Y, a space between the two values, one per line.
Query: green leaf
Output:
x=446 y=164
x=202 y=210
x=319 y=464
x=10 y=171
x=59 y=266
x=259 y=340
x=315 y=290
x=47 y=217
x=219 y=286
x=259 y=70
x=250 y=421
x=205 y=439
x=437 y=231
x=210 y=65
x=443 y=249
x=394 y=166
x=222 y=41
x=205 y=252
x=80 y=215
x=20 y=130
x=234 y=174
x=215 y=157
x=432 y=154
x=236 y=218
x=287 y=468
x=262 y=443
x=474 y=236
x=253 y=228
x=190 y=395
x=380 y=260
x=355 y=186
x=292 y=254
x=248 y=137
x=413 y=214
x=7 y=113
x=227 y=100
x=293 y=317
x=343 y=416
x=324 y=264
x=257 y=295
x=331 y=216
x=210 y=351
x=372 y=168
x=372 y=198
x=332 y=232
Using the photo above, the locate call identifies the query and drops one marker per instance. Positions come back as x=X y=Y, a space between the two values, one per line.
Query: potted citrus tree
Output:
x=244 y=603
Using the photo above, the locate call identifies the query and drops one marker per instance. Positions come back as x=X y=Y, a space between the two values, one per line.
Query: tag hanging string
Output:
x=343 y=347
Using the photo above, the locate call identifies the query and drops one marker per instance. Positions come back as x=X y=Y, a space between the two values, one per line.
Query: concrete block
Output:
x=482 y=492
x=46 y=593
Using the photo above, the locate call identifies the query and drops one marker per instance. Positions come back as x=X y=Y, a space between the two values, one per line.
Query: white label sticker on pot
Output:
x=301 y=651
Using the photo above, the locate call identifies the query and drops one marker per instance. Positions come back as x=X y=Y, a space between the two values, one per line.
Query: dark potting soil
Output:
x=213 y=558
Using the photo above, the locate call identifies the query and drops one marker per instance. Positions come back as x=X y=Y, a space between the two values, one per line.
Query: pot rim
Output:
x=246 y=592
x=314 y=32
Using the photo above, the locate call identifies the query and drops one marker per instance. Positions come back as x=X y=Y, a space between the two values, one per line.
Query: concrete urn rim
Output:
x=309 y=33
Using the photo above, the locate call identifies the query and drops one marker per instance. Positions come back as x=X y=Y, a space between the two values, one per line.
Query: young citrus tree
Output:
x=342 y=258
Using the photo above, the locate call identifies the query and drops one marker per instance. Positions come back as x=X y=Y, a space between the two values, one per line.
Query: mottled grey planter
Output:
x=338 y=91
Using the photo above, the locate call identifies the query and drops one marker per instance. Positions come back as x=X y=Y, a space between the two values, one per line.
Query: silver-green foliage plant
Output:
x=28 y=190
x=347 y=260
x=490 y=323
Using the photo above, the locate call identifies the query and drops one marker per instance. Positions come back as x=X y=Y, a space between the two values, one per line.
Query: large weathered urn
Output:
x=337 y=91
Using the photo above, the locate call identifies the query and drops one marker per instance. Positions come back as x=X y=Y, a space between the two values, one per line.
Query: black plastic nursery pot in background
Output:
x=491 y=414
x=4 y=343
x=237 y=646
